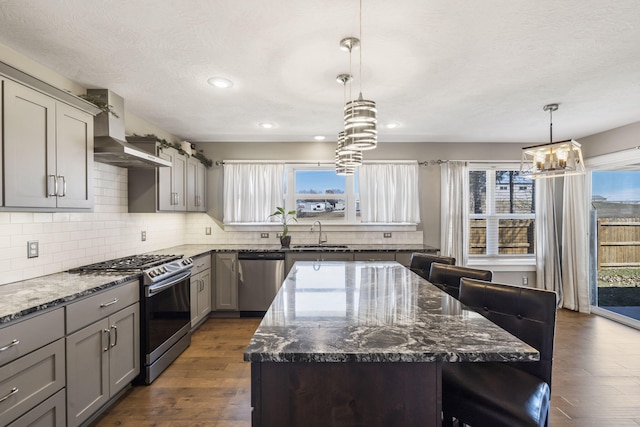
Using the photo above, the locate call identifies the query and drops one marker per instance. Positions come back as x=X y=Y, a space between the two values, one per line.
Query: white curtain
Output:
x=389 y=193
x=252 y=191
x=454 y=184
x=548 y=275
x=575 y=245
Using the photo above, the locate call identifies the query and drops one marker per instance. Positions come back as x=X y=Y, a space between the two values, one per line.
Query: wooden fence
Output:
x=515 y=236
x=618 y=242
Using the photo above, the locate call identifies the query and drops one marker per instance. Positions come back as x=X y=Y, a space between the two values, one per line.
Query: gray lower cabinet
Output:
x=103 y=356
x=226 y=294
x=32 y=367
x=200 y=289
x=48 y=151
x=50 y=413
x=31 y=379
x=292 y=257
x=404 y=258
x=374 y=256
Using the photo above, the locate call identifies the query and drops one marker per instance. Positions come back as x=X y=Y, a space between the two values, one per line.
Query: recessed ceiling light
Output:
x=319 y=137
x=266 y=125
x=392 y=125
x=220 y=82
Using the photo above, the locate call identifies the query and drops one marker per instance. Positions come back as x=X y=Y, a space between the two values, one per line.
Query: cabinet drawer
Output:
x=96 y=307
x=23 y=337
x=50 y=413
x=28 y=381
x=201 y=263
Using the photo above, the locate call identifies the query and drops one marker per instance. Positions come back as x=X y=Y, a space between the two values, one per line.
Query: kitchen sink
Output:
x=320 y=247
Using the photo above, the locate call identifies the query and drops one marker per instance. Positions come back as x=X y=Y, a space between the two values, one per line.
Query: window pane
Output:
x=514 y=193
x=477 y=192
x=478 y=237
x=319 y=182
x=516 y=236
x=320 y=208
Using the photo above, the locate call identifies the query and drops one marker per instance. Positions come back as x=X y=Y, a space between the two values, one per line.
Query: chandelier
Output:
x=553 y=159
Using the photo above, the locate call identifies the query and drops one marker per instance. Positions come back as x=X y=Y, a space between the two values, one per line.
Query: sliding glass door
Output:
x=615 y=246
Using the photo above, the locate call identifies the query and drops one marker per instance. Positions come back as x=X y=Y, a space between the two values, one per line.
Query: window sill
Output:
x=294 y=227
x=504 y=263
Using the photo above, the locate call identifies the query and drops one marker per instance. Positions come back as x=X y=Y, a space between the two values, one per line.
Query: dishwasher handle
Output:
x=261 y=255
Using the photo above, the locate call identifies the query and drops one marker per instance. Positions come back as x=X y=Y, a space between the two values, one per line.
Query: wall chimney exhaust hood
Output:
x=110 y=145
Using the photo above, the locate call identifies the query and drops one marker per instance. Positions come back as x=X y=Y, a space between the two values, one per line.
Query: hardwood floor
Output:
x=596 y=378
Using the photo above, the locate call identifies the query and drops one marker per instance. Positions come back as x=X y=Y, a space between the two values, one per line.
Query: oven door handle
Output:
x=159 y=287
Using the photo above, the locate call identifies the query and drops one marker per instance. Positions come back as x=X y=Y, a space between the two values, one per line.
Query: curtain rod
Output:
x=440 y=161
x=309 y=162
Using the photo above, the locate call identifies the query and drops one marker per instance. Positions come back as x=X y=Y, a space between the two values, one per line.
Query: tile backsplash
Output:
x=71 y=239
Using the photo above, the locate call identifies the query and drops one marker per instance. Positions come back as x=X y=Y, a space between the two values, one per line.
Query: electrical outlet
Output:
x=32 y=249
x=387 y=235
x=143 y=236
x=525 y=281
x=207 y=231
x=264 y=235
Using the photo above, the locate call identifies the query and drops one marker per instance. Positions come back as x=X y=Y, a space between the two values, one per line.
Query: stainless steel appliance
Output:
x=260 y=276
x=165 y=307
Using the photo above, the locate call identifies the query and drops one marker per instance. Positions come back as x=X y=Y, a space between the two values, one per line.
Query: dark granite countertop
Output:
x=22 y=298
x=25 y=297
x=374 y=312
x=198 y=249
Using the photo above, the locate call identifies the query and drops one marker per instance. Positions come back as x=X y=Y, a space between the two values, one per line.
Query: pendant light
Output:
x=346 y=159
x=553 y=159
x=360 y=115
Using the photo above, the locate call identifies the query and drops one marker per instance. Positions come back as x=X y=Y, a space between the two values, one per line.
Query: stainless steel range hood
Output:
x=110 y=145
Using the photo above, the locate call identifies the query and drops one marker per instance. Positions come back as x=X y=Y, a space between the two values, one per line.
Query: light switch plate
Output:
x=143 y=236
x=207 y=231
x=32 y=249
x=264 y=235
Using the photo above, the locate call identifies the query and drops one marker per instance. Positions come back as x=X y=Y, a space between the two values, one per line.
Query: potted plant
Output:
x=285 y=217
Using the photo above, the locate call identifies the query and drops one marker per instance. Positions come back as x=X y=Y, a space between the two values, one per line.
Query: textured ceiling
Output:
x=460 y=71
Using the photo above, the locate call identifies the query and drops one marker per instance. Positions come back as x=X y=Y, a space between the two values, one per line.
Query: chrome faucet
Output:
x=320 y=241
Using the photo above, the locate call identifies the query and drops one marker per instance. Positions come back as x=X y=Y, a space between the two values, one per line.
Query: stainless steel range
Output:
x=165 y=307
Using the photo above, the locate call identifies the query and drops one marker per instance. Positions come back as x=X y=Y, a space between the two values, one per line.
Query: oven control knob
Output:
x=187 y=261
x=152 y=274
x=165 y=270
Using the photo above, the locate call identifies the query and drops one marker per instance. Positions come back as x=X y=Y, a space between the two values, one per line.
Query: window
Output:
x=501 y=211
x=317 y=193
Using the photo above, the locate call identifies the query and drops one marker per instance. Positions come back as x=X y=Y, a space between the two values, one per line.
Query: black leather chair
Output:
x=421 y=263
x=504 y=394
x=447 y=277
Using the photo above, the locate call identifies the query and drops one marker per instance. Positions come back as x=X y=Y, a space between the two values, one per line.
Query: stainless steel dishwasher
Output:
x=260 y=276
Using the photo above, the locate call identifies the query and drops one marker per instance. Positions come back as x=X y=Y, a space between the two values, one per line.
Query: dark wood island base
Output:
x=328 y=394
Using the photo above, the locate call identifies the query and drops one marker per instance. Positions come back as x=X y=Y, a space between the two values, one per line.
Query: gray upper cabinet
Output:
x=161 y=189
x=48 y=151
x=196 y=186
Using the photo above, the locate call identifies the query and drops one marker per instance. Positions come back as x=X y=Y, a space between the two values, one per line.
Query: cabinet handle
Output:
x=108 y=332
x=64 y=186
x=107 y=304
x=52 y=179
x=8 y=346
x=13 y=391
x=115 y=342
x=233 y=266
x=201 y=285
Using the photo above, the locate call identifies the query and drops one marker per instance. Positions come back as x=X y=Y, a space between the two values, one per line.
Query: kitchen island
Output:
x=362 y=344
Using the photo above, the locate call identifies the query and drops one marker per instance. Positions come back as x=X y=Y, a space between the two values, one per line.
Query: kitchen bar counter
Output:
x=362 y=343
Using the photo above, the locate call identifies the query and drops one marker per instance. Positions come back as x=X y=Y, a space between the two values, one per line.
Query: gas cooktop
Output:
x=129 y=263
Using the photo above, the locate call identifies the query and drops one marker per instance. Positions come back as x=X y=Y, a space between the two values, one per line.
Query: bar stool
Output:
x=504 y=394
x=447 y=277
x=421 y=263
